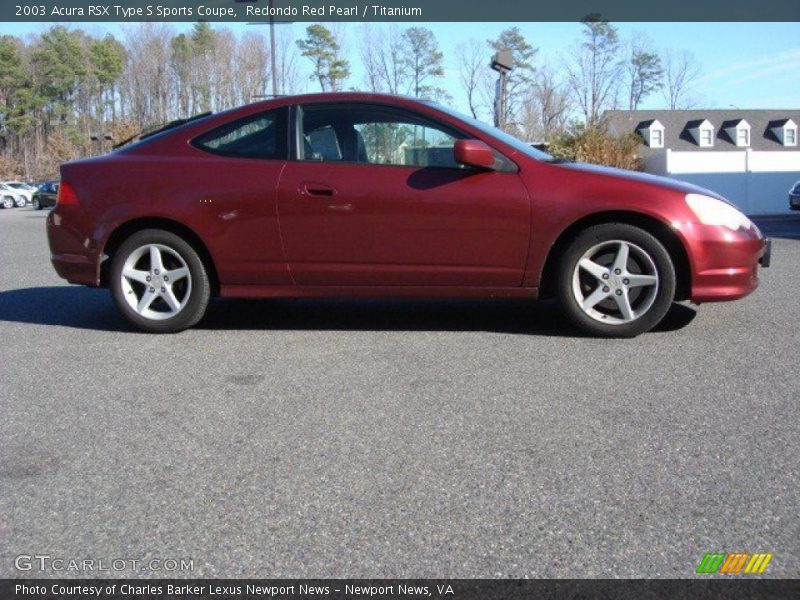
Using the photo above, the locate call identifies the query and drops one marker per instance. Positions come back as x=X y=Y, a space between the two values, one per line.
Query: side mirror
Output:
x=473 y=153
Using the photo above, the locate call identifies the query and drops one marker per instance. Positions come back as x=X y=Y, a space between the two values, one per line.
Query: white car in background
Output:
x=11 y=197
x=22 y=188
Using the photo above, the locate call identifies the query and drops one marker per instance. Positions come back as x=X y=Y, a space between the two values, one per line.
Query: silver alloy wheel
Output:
x=615 y=282
x=8 y=202
x=156 y=281
x=21 y=201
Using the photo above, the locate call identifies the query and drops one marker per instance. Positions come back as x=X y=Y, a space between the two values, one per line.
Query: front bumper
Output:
x=766 y=258
x=724 y=263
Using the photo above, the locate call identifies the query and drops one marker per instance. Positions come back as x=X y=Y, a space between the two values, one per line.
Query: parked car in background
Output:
x=22 y=188
x=21 y=185
x=18 y=198
x=7 y=200
x=45 y=196
x=794 y=197
x=358 y=195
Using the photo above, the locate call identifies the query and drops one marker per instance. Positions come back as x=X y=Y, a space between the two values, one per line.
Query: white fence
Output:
x=757 y=182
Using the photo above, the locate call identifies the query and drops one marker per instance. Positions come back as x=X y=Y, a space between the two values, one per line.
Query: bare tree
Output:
x=148 y=83
x=370 y=47
x=385 y=55
x=251 y=70
x=289 y=79
x=681 y=71
x=474 y=75
x=594 y=69
x=225 y=87
x=393 y=63
x=548 y=109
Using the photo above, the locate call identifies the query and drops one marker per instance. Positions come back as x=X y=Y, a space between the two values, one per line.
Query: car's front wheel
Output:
x=21 y=201
x=36 y=204
x=615 y=280
x=159 y=282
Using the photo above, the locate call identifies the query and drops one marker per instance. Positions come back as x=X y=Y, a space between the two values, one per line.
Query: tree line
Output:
x=66 y=93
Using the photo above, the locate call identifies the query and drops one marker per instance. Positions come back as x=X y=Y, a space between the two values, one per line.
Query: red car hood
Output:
x=644 y=178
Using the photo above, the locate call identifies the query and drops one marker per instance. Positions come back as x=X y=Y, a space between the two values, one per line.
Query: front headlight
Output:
x=711 y=211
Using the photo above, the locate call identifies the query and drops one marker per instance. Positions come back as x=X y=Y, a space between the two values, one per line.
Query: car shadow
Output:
x=87 y=308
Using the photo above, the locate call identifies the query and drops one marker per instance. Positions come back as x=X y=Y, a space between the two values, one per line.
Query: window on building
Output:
x=706 y=137
x=790 y=137
x=656 y=138
x=742 y=137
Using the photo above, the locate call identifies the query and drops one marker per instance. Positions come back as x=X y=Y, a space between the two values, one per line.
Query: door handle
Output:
x=317 y=189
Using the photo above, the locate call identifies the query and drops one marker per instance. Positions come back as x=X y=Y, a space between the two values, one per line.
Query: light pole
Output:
x=273 y=63
x=503 y=63
x=272 y=50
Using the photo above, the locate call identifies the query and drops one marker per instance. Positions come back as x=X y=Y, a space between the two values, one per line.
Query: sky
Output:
x=744 y=65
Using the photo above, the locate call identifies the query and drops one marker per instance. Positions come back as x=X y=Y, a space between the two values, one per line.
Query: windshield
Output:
x=507 y=139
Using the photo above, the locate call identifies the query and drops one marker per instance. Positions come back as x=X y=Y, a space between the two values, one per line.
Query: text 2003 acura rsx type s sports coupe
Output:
x=369 y=195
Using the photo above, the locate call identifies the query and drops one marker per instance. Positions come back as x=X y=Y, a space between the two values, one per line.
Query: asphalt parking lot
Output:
x=383 y=439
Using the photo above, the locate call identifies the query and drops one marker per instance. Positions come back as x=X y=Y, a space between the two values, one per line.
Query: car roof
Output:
x=332 y=97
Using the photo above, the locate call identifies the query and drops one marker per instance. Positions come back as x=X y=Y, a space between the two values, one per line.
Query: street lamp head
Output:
x=503 y=61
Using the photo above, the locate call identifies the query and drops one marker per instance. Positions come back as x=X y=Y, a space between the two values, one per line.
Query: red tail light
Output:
x=66 y=195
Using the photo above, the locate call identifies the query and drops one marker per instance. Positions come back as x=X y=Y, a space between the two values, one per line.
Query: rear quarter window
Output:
x=258 y=136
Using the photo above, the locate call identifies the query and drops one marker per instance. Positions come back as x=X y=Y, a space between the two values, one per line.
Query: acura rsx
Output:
x=361 y=195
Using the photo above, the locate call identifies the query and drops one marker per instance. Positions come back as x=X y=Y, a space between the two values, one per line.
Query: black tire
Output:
x=606 y=319
x=197 y=296
x=36 y=204
x=7 y=202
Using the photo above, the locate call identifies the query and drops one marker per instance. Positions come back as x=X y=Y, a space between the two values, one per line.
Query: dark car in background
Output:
x=45 y=195
x=794 y=196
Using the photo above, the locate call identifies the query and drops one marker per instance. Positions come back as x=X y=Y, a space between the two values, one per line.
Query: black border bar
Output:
x=399 y=10
x=393 y=589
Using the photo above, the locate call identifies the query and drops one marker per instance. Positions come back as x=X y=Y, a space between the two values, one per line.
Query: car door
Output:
x=373 y=197
x=48 y=194
x=231 y=199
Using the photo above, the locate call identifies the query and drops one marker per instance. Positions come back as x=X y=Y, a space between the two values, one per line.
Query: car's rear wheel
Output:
x=36 y=204
x=8 y=202
x=21 y=201
x=159 y=282
x=615 y=280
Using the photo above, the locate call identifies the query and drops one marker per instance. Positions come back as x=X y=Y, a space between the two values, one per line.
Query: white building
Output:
x=751 y=157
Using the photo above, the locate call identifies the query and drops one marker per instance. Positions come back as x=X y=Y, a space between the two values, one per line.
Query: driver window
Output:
x=375 y=135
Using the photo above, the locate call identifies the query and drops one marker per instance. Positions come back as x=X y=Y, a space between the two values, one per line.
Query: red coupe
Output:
x=355 y=194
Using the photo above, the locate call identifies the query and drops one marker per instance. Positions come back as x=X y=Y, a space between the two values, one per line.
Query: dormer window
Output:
x=742 y=137
x=657 y=139
x=702 y=131
x=785 y=130
x=653 y=133
x=738 y=132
